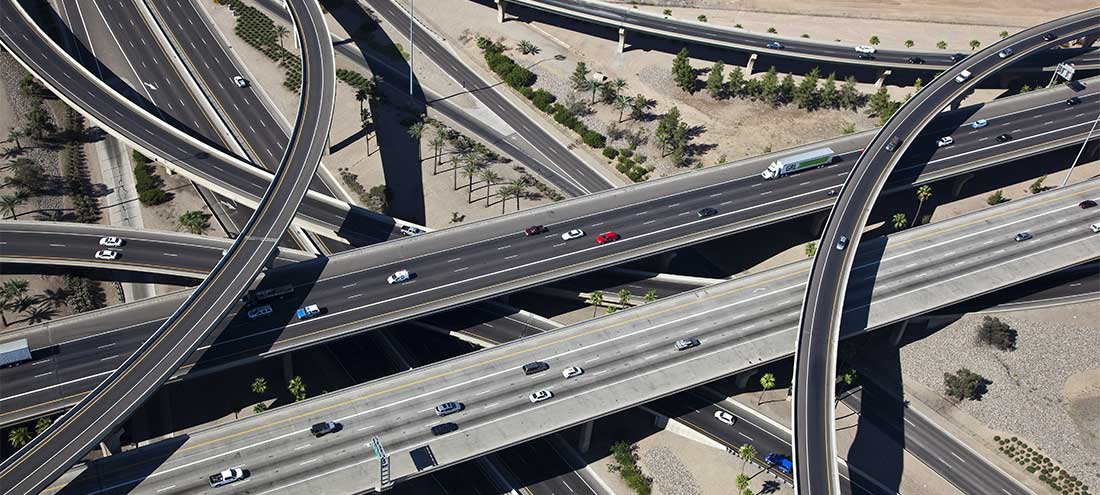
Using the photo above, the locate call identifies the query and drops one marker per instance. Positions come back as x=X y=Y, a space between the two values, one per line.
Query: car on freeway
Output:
x=572 y=371
x=1004 y=138
x=1095 y=227
x=945 y=141
x=1086 y=204
x=1073 y=100
x=962 y=77
x=324 y=428
x=865 y=49
x=865 y=56
x=572 y=234
x=1007 y=52
x=706 y=212
x=443 y=428
x=240 y=81
x=111 y=242
x=832 y=192
x=540 y=396
x=684 y=344
x=893 y=144
x=916 y=60
x=259 y=312
x=1050 y=37
x=725 y=417
x=231 y=475
x=1022 y=236
x=841 y=243
x=398 y=277
x=409 y=230
x=106 y=254
x=957 y=57
x=607 y=237
x=448 y=408
x=535 y=367
x=780 y=462
x=978 y=124
x=535 y=230
x=775 y=45
x=308 y=312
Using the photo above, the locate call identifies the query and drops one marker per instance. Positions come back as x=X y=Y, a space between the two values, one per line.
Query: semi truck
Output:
x=797 y=163
x=261 y=295
x=13 y=353
x=226 y=477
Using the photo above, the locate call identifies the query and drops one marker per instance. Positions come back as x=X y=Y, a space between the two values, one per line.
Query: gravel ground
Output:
x=1025 y=397
x=670 y=476
x=10 y=75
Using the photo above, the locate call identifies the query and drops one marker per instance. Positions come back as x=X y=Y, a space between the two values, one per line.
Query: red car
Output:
x=607 y=237
x=534 y=230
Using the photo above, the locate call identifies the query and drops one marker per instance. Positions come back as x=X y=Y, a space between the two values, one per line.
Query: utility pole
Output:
x=412 y=47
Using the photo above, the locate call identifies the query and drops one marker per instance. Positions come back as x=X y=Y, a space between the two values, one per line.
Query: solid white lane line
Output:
x=512 y=256
x=349 y=285
x=452 y=260
x=461 y=269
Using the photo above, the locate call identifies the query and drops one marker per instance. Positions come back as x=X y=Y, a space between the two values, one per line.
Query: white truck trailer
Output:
x=797 y=163
x=13 y=353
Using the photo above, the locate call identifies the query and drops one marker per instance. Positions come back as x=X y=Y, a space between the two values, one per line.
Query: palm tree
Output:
x=416 y=130
x=742 y=481
x=615 y=88
x=624 y=297
x=437 y=143
x=9 y=292
x=14 y=135
x=747 y=452
x=528 y=48
x=281 y=31
x=8 y=204
x=41 y=425
x=909 y=43
x=469 y=171
x=297 y=388
x=490 y=177
x=519 y=189
x=923 y=193
x=361 y=96
x=591 y=85
x=899 y=221
x=767 y=382
x=364 y=123
x=259 y=386
x=595 y=299
x=974 y=44
x=874 y=40
x=941 y=44
x=504 y=192
x=621 y=103
x=650 y=296
x=19 y=437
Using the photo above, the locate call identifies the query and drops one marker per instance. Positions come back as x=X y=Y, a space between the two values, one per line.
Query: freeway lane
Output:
x=823 y=309
x=351 y=286
x=628 y=359
x=575 y=176
x=37 y=464
x=727 y=37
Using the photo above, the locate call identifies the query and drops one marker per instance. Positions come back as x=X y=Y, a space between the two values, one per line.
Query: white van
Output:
x=962 y=77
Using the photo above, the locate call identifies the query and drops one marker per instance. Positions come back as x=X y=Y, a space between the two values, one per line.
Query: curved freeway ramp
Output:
x=815 y=355
x=46 y=457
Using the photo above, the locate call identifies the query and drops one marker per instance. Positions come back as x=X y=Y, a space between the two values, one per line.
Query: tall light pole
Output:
x=1081 y=151
x=412 y=47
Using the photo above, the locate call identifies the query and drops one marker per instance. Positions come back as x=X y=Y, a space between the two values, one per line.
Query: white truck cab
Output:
x=226 y=477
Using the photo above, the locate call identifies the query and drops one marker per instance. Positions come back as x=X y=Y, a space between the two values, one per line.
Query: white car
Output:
x=106 y=254
x=1095 y=227
x=724 y=417
x=398 y=277
x=240 y=81
x=110 y=241
x=540 y=396
x=978 y=124
x=571 y=371
x=572 y=234
x=865 y=49
x=409 y=231
x=945 y=141
x=962 y=77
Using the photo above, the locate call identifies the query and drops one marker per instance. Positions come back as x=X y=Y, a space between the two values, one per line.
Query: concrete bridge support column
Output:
x=586 y=436
x=622 y=39
x=748 y=66
x=817 y=223
x=898 y=332
x=960 y=182
x=500 y=11
x=882 y=78
x=743 y=378
x=664 y=260
x=288 y=367
x=166 y=408
x=112 y=444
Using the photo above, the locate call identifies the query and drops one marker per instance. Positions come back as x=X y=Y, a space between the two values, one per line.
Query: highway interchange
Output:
x=823 y=308
x=655 y=229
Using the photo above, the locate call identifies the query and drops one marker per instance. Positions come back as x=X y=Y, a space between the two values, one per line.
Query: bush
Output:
x=996 y=198
x=997 y=333
x=637 y=173
x=964 y=384
x=543 y=99
x=610 y=153
x=593 y=139
x=519 y=77
x=148 y=184
x=626 y=464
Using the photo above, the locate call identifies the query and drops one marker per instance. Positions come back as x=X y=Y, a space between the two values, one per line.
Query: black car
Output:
x=535 y=367
x=706 y=212
x=1073 y=100
x=893 y=144
x=322 y=429
x=1049 y=37
x=443 y=428
x=957 y=57
x=1004 y=137
x=865 y=56
x=1022 y=236
x=916 y=60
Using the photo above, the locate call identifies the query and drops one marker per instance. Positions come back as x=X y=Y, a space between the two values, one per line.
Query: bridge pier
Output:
x=898 y=332
x=1089 y=40
x=960 y=181
x=622 y=39
x=586 y=437
x=743 y=378
x=112 y=444
x=817 y=223
x=751 y=62
x=500 y=11
x=882 y=75
x=166 y=408
x=665 y=259
x=288 y=367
